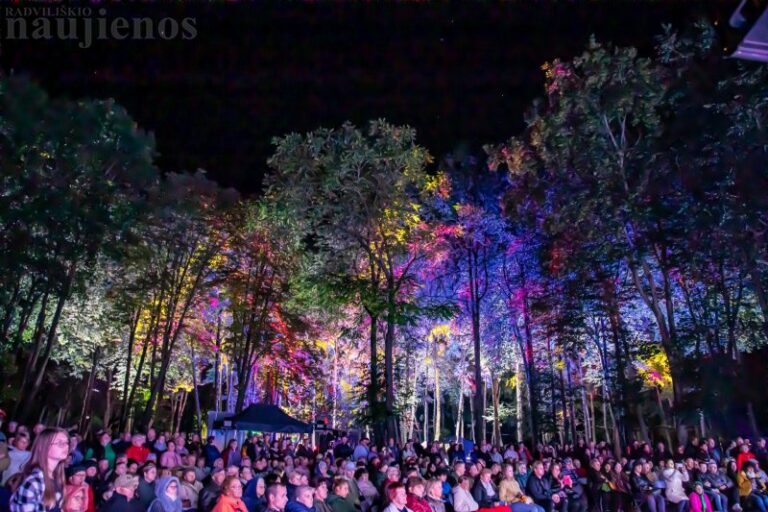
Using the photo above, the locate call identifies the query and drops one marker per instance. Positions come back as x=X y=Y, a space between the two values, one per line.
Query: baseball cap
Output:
x=127 y=480
x=350 y=466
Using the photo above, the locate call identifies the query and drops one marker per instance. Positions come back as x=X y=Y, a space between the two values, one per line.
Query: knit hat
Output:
x=127 y=481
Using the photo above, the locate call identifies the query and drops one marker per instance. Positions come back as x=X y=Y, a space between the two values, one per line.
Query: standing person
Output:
x=211 y=452
x=231 y=496
x=42 y=489
x=232 y=455
x=167 y=492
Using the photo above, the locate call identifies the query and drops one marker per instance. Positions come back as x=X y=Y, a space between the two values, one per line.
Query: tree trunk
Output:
x=389 y=365
x=519 y=406
x=495 y=392
x=88 y=392
x=199 y=428
x=437 y=415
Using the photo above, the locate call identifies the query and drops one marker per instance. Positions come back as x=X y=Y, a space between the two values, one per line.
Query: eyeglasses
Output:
x=60 y=443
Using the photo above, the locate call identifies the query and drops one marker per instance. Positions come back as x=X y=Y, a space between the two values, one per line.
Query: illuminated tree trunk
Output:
x=520 y=406
x=437 y=415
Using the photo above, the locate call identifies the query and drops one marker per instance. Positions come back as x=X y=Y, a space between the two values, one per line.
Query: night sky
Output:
x=459 y=73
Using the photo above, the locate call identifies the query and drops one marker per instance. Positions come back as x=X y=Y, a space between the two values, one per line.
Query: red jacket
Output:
x=417 y=504
x=137 y=453
x=743 y=457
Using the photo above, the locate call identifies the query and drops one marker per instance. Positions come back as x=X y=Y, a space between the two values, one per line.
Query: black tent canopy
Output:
x=265 y=418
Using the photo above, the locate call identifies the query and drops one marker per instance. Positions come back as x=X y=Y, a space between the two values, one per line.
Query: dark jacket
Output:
x=539 y=489
x=339 y=504
x=145 y=493
x=119 y=503
x=639 y=486
x=481 y=495
x=295 y=506
x=208 y=497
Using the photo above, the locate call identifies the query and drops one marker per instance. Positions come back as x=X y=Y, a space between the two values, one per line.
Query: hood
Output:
x=169 y=504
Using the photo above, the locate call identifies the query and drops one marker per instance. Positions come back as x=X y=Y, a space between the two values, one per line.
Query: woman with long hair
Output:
x=42 y=489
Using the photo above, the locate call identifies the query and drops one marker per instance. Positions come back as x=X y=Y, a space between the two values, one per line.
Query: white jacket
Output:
x=674 y=479
x=463 y=500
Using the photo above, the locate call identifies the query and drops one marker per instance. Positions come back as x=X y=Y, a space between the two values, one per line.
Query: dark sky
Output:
x=458 y=73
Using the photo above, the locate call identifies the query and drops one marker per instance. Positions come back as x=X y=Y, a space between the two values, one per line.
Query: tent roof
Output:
x=266 y=418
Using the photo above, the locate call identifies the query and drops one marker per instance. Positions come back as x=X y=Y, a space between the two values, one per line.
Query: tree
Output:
x=352 y=195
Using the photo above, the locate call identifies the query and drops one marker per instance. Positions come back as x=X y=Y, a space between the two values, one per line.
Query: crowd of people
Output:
x=45 y=469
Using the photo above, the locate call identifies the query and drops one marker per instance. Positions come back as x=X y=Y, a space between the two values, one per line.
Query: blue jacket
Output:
x=295 y=506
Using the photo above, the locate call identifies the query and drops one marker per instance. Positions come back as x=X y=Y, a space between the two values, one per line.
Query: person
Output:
x=643 y=490
x=361 y=450
x=137 y=451
x=18 y=455
x=122 y=499
x=337 y=501
x=147 y=480
x=434 y=496
x=230 y=499
x=484 y=491
x=511 y=493
x=573 y=485
x=348 y=473
x=254 y=494
x=42 y=487
x=368 y=492
x=211 y=452
x=414 y=500
x=75 y=500
x=751 y=491
x=342 y=450
x=540 y=490
x=189 y=492
x=698 y=499
x=76 y=483
x=167 y=495
x=743 y=456
x=170 y=458
x=398 y=498
x=320 y=496
x=463 y=501
x=103 y=449
x=210 y=493
x=304 y=501
x=719 y=488
x=674 y=476
x=232 y=455
x=277 y=497
x=522 y=474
